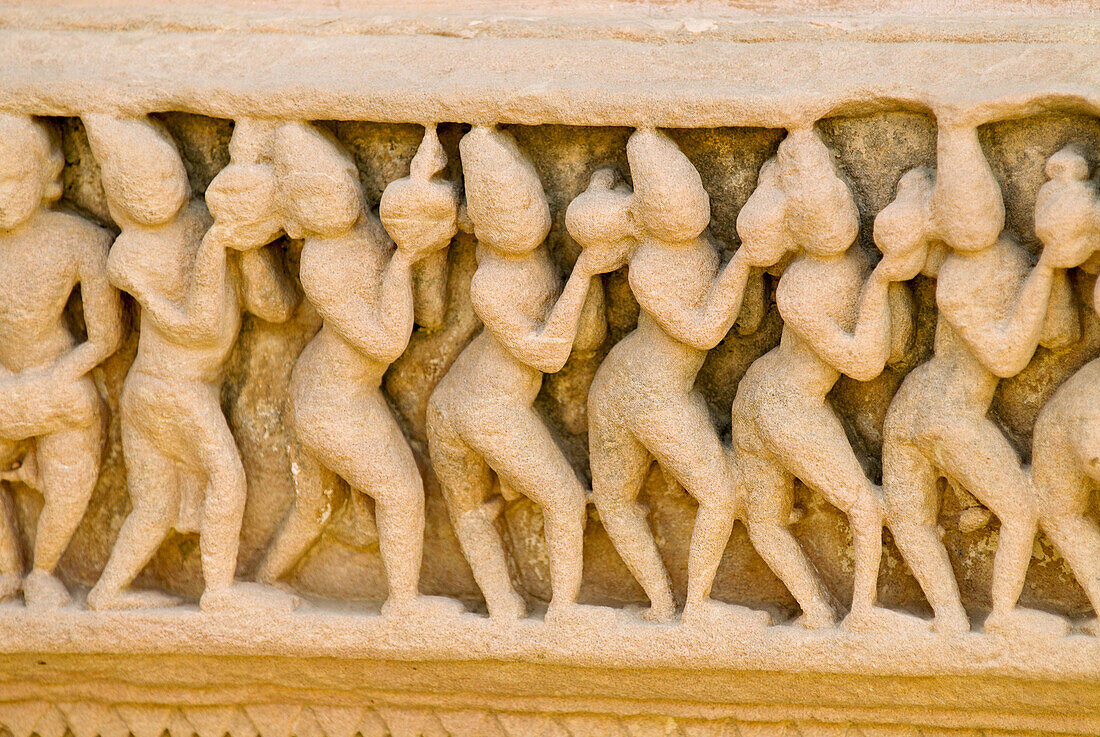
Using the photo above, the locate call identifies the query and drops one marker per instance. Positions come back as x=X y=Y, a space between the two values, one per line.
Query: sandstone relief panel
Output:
x=841 y=373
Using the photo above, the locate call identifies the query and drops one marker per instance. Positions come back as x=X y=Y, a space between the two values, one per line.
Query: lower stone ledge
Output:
x=338 y=673
x=94 y=719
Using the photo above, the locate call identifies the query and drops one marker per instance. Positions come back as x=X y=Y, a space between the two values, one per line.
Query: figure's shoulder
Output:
x=76 y=229
x=1008 y=253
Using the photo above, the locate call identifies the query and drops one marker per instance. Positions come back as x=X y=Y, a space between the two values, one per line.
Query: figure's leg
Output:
x=619 y=465
x=520 y=449
x=316 y=497
x=11 y=560
x=979 y=456
x=682 y=438
x=11 y=563
x=377 y=461
x=223 y=512
x=466 y=482
x=68 y=469
x=770 y=500
x=1063 y=489
x=912 y=501
x=816 y=450
x=154 y=496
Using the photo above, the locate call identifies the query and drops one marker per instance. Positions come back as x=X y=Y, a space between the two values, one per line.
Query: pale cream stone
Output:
x=757 y=280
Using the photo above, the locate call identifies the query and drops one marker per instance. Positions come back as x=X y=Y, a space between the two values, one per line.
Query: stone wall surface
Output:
x=736 y=366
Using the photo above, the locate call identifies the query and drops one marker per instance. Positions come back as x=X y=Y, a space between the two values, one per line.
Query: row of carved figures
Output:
x=194 y=265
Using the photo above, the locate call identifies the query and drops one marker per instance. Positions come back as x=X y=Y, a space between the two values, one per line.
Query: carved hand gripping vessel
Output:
x=632 y=399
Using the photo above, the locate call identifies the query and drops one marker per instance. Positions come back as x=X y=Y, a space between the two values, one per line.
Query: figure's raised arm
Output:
x=861 y=353
x=101 y=305
x=1067 y=224
x=266 y=289
x=147 y=187
x=1067 y=221
x=544 y=345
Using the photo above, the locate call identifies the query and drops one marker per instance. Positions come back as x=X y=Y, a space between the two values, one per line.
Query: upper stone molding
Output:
x=704 y=64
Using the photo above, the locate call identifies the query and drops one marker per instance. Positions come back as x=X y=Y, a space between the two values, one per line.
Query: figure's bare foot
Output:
x=10 y=584
x=1019 y=621
x=580 y=614
x=101 y=600
x=248 y=597
x=507 y=609
x=42 y=590
x=423 y=607
x=710 y=612
x=881 y=620
x=660 y=613
x=954 y=623
x=819 y=620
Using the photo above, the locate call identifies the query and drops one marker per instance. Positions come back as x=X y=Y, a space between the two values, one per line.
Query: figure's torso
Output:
x=486 y=371
x=39 y=268
x=331 y=266
x=163 y=258
x=654 y=361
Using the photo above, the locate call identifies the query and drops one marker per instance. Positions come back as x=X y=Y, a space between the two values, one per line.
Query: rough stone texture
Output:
x=570 y=82
x=871 y=150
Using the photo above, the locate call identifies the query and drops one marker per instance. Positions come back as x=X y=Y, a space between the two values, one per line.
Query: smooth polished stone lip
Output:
x=625 y=642
x=533 y=80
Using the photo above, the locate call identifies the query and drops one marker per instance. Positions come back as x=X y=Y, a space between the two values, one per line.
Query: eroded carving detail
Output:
x=363 y=289
x=52 y=418
x=184 y=471
x=372 y=278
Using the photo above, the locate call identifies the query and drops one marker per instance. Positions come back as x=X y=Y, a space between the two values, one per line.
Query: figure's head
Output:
x=822 y=217
x=316 y=180
x=762 y=221
x=141 y=168
x=504 y=195
x=1067 y=210
x=903 y=229
x=420 y=211
x=30 y=169
x=669 y=200
x=600 y=219
x=967 y=205
x=242 y=200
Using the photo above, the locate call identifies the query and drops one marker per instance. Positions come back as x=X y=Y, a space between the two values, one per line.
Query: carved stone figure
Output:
x=994 y=310
x=481 y=421
x=363 y=289
x=52 y=419
x=836 y=320
x=643 y=405
x=1065 y=460
x=184 y=471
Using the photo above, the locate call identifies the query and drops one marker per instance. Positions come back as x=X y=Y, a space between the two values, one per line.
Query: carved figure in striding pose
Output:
x=183 y=468
x=837 y=319
x=363 y=288
x=643 y=404
x=994 y=310
x=481 y=420
x=52 y=418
